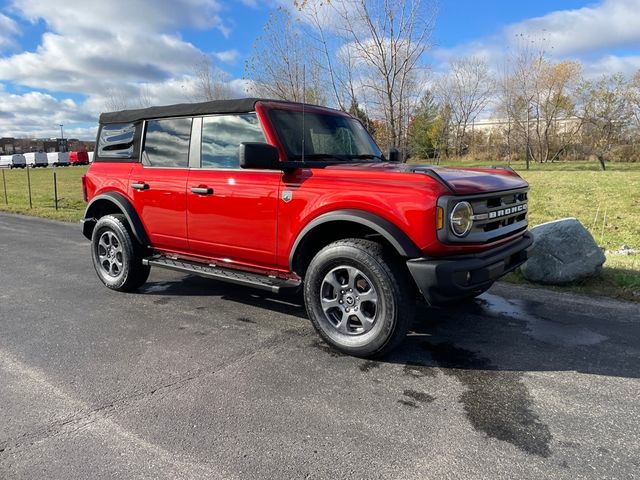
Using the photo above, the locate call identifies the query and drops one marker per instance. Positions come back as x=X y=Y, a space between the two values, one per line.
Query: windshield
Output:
x=326 y=137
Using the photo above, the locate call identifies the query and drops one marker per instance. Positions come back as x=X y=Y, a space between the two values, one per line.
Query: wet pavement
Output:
x=195 y=379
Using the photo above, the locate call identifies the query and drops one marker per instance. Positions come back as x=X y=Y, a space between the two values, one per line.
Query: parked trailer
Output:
x=78 y=158
x=30 y=159
x=58 y=159
x=17 y=161
x=36 y=159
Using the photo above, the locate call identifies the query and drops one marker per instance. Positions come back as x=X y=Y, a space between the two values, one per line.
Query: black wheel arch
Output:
x=367 y=221
x=113 y=202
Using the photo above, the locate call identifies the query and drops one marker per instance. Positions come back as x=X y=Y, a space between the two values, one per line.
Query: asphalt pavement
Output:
x=191 y=378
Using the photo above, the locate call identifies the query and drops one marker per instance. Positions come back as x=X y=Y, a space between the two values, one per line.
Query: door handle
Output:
x=202 y=190
x=140 y=186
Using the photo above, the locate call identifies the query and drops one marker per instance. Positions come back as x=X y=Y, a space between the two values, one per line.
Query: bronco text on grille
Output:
x=494 y=216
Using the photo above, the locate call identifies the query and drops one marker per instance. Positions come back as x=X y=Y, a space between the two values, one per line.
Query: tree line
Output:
x=541 y=111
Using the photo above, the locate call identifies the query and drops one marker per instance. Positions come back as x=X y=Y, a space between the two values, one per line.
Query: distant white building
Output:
x=498 y=125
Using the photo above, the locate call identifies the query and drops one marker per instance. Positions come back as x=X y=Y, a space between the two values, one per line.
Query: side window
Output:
x=222 y=136
x=116 y=140
x=166 y=143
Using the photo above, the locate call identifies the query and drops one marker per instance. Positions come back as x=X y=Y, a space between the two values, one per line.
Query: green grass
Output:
x=606 y=203
x=70 y=203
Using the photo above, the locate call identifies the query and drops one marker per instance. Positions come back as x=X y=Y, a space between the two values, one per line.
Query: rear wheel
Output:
x=117 y=257
x=358 y=298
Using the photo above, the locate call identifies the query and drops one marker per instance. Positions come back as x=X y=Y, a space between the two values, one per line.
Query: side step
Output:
x=271 y=284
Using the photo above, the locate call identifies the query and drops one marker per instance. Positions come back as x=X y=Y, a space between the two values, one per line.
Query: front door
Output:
x=232 y=212
x=158 y=185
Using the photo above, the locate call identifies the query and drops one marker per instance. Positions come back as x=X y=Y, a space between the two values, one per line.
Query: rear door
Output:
x=157 y=185
x=231 y=211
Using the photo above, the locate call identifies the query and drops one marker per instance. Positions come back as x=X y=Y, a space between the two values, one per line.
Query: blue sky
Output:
x=60 y=60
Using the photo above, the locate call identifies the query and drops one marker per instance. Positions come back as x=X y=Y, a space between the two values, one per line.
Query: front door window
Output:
x=222 y=135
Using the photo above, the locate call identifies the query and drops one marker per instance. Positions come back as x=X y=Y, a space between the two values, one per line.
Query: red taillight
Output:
x=84 y=188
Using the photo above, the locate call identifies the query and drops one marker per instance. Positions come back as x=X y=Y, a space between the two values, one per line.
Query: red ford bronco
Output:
x=283 y=196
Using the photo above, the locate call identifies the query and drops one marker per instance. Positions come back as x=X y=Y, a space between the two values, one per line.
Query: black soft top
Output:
x=241 y=105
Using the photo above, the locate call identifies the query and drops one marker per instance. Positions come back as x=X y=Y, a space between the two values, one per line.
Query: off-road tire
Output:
x=117 y=256
x=390 y=284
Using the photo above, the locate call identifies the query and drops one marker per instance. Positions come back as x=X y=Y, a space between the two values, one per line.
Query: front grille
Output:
x=496 y=216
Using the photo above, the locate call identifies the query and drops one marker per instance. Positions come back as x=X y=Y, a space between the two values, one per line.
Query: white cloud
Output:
x=121 y=16
x=108 y=44
x=609 y=64
x=8 y=30
x=227 y=56
x=611 y=24
x=100 y=48
x=37 y=114
x=586 y=35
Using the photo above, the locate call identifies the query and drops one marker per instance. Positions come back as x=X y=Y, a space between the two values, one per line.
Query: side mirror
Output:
x=394 y=155
x=259 y=156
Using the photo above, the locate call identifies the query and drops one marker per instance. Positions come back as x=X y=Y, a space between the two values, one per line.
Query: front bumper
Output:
x=445 y=279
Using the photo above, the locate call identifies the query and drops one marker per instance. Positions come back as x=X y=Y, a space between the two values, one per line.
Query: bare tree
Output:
x=115 y=100
x=467 y=90
x=605 y=113
x=337 y=64
x=211 y=83
x=554 y=108
x=380 y=55
x=144 y=96
x=504 y=109
x=538 y=99
x=281 y=66
x=634 y=98
x=389 y=38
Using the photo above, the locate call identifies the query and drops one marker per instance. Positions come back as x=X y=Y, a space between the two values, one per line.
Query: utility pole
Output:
x=61 y=138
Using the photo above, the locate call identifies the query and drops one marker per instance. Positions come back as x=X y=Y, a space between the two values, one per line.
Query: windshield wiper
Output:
x=321 y=156
x=366 y=156
x=342 y=158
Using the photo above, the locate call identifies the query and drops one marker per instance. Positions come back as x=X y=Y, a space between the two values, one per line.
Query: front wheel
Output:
x=358 y=297
x=117 y=257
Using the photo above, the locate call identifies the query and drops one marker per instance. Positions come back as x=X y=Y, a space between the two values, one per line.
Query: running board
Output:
x=263 y=282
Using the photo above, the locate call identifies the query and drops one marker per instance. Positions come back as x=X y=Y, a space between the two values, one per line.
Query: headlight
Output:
x=460 y=219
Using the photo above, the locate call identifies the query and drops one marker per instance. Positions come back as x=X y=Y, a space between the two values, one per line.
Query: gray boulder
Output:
x=563 y=251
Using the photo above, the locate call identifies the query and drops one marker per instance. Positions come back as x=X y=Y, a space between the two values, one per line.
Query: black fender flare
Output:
x=392 y=233
x=124 y=205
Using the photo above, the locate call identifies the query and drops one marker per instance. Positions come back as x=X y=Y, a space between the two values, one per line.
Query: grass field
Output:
x=607 y=203
x=70 y=203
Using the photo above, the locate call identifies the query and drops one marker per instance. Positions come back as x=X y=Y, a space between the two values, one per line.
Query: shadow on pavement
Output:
x=489 y=333
x=487 y=345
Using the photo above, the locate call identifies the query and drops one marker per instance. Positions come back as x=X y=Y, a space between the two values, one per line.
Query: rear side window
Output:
x=222 y=136
x=116 y=140
x=166 y=143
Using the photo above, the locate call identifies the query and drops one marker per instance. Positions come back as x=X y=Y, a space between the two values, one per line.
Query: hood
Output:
x=461 y=181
